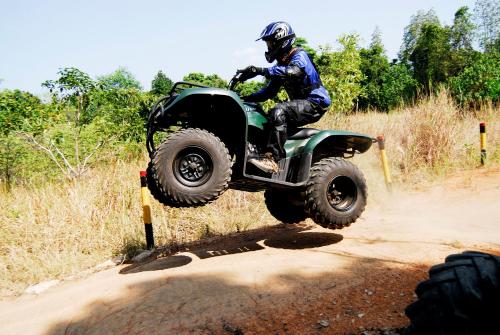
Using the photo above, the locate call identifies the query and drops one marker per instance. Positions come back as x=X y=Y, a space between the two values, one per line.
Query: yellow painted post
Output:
x=482 y=134
x=385 y=164
x=146 y=212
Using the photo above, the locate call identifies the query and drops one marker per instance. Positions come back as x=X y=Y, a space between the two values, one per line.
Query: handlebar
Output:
x=235 y=80
x=243 y=75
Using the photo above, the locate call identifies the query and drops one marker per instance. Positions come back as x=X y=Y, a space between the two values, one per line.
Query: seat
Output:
x=302 y=133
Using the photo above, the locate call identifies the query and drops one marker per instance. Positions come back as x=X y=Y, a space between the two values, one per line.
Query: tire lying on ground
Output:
x=335 y=193
x=461 y=297
x=192 y=167
x=285 y=206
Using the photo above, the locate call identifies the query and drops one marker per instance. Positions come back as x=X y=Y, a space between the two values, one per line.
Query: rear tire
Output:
x=190 y=168
x=461 y=297
x=285 y=206
x=336 y=193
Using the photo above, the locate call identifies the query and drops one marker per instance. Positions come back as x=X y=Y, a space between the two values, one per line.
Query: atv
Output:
x=211 y=135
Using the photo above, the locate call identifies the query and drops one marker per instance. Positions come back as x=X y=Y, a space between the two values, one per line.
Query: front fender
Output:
x=188 y=93
x=216 y=110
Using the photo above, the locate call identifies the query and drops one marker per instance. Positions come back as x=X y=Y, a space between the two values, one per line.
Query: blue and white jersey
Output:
x=305 y=86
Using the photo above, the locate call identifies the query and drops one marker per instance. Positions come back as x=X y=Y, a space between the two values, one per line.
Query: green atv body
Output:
x=213 y=133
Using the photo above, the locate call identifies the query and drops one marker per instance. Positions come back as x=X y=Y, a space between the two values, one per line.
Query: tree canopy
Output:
x=121 y=78
x=161 y=84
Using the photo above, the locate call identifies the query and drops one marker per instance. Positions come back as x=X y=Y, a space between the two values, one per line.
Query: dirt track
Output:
x=282 y=279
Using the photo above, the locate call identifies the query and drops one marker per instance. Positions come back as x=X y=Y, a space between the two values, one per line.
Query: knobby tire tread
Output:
x=318 y=174
x=461 y=297
x=169 y=196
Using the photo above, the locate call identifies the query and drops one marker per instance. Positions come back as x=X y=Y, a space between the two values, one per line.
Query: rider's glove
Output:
x=250 y=72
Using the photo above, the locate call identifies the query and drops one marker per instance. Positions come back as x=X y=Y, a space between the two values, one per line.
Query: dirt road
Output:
x=283 y=279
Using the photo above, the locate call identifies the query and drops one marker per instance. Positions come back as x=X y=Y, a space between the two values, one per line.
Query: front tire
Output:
x=336 y=193
x=190 y=168
x=154 y=188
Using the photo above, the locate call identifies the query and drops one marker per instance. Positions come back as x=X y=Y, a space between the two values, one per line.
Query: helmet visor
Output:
x=271 y=45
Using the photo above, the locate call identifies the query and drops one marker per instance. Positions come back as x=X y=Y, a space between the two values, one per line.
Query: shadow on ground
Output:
x=281 y=236
x=164 y=263
x=303 y=240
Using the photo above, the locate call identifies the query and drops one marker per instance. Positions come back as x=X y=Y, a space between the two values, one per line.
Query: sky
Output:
x=37 y=38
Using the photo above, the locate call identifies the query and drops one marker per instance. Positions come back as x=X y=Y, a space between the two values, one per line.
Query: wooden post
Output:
x=146 y=212
x=385 y=164
x=482 y=134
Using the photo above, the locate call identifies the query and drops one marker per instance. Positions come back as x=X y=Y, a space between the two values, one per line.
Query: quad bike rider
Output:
x=297 y=73
x=217 y=140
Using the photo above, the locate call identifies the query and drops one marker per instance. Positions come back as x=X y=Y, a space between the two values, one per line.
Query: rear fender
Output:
x=327 y=143
x=337 y=143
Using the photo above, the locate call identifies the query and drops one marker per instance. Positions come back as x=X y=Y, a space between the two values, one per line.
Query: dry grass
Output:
x=58 y=229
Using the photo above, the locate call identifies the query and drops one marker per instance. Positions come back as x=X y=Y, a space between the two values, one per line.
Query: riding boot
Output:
x=276 y=142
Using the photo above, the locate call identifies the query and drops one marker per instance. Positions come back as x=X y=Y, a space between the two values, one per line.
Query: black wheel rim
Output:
x=342 y=193
x=193 y=166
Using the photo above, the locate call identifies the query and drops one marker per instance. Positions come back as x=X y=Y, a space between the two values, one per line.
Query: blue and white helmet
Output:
x=279 y=37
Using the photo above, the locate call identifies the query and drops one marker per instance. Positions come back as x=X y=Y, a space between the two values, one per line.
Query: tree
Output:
x=18 y=111
x=248 y=87
x=430 y=57
x=461 y=39
x=123 y=111
x=487 y=17
x=461 y=34
x=95 y=116
x=413 y=30
x=16 y=107
x=385 y=85
x=478 y=82
x=212 y=80
x=161 y=84
x=373 y=65
x=376 y=41
x=72 y=89
x=71 y=144
x=121 y=78
x=397 y=87
x=340 y=72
